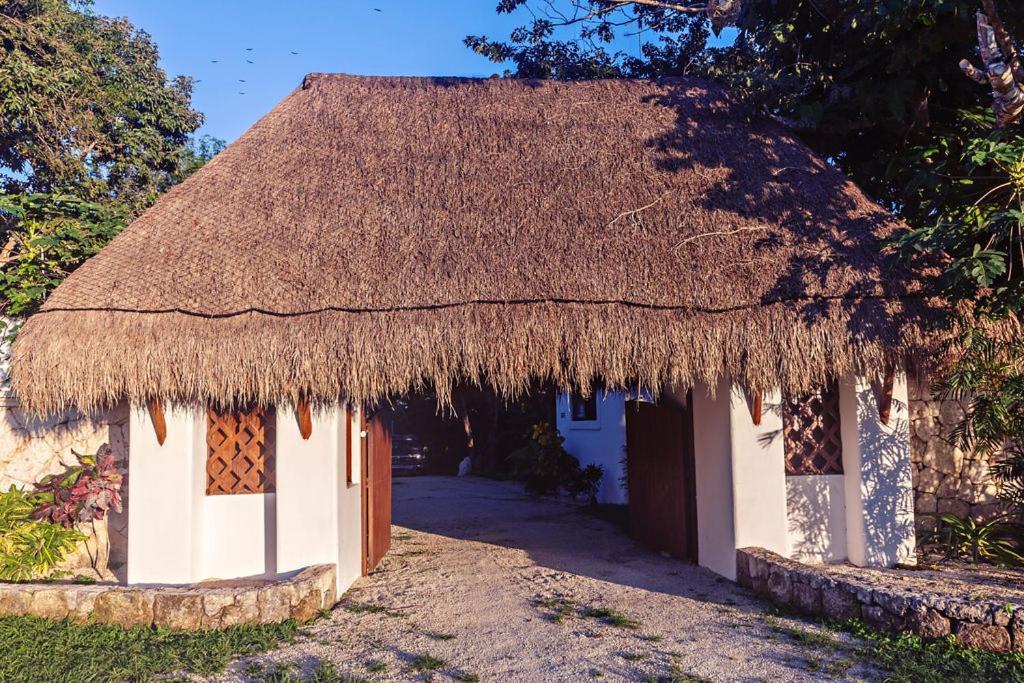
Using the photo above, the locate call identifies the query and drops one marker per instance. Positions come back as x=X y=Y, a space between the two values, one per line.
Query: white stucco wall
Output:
x=716 y=531
x=816 y=518
x=307 y=488
x=878 y=487
x=178 y=534
x=599 y=442
x=165 y=538
x=350 y=525
x=235 y=533
x=758 y=473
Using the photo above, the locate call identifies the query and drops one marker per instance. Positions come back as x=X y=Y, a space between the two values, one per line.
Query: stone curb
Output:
x=300 y=597
x=811 y=590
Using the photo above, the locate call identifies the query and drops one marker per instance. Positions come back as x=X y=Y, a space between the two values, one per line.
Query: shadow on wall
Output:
x=886 y=484
x=816 y=518
x=44 y=446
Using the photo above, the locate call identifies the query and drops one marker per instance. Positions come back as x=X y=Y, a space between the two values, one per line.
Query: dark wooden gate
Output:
x=376 y=461
x=660 y=473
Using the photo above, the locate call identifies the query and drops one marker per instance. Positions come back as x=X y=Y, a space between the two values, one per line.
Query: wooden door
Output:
x=660 y=475
x=376 y=461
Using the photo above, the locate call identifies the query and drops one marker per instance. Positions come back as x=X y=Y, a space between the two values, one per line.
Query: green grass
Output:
x=376 y=666
x=611 y=617
x=366 y=608
x=908 y=659
x=427 y=663
x=466 y=677
x=61 y=652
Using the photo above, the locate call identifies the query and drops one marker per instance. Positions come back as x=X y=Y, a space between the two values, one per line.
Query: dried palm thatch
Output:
x=372 y=235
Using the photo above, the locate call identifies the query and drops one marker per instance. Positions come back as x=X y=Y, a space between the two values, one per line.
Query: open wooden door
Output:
x=660 y=474
x=376 y=461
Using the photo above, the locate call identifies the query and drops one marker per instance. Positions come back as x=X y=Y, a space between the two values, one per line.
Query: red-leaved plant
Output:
x=82 y=494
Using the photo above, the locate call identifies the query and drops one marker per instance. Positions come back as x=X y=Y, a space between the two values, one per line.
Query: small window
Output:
x=811 y=426
x=239 y=452
x=583 y=409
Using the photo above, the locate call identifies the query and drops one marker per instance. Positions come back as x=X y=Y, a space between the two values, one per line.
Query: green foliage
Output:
x=989 y=378
x=995 y=541
x=85 y=105
x=82 y=493
x=45 y=237
x=43 y=651
x=91 y=132
x=905 y=658
x=29 y=548
x=544 y=466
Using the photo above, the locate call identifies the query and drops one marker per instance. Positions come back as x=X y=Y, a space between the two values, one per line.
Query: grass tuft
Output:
x=427 y=663
x=611 y=617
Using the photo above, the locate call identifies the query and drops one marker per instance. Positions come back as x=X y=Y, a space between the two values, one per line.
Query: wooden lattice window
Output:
x=811 y=429
x=239 y=451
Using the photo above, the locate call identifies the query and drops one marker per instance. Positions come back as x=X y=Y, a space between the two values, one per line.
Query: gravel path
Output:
x=503 y=587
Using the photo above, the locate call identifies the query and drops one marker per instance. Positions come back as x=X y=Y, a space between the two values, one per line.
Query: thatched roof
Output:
x=370 y=235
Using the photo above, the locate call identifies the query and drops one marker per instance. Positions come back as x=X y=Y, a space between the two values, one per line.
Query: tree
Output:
x=1003 y=69
x=91 y=133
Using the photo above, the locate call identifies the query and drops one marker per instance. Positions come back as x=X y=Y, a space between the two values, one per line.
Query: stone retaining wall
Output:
x=32 y=448
x=300 y=597
x=996 y=627
x=946 y=479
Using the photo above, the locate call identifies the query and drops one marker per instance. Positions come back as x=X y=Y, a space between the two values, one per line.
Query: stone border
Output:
x=811 y=590
x=299 y=597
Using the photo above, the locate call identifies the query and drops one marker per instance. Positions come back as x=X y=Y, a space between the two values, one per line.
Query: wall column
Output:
x=165 y=490
x=741 y=478
x=758 y=473
x=308 y=481
x=877 y=473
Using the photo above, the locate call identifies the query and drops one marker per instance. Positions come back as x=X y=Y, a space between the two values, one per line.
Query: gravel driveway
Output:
x=485 y=583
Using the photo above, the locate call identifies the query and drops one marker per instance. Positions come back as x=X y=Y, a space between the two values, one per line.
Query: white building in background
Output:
x=847 y=495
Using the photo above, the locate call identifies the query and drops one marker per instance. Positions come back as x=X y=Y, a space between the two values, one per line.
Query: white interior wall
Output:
x=816 y=518
x=599 y=442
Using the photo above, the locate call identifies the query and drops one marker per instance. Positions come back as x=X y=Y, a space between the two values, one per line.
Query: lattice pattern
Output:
x=811 y=431
x=239 y=452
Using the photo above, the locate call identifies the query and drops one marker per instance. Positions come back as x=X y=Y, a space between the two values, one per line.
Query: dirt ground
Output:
x=485 y=583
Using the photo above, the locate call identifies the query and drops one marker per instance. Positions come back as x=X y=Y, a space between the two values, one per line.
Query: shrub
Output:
x=84 y=493
x=963 y=538
x=544 y=466
x=30 y=548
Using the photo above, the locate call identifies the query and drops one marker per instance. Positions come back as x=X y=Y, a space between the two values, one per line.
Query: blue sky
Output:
x=407 y=37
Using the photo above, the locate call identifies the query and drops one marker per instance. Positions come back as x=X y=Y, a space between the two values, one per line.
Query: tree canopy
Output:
x=91 y=132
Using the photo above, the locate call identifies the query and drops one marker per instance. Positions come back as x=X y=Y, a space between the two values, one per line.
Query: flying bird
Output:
x=248 y=49
x=377 y=9
x=241 y=80
x=294 y=52
x=214 y=61
x=249 y=61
